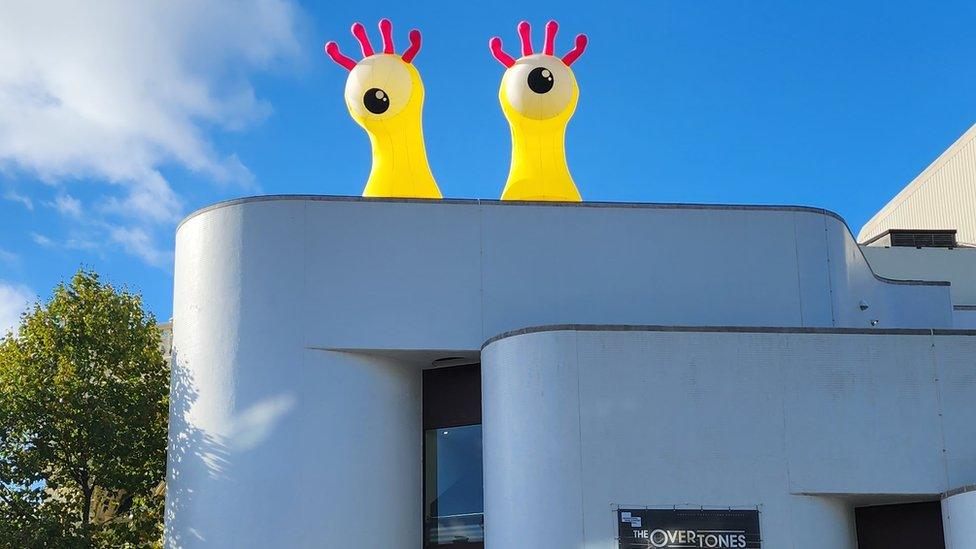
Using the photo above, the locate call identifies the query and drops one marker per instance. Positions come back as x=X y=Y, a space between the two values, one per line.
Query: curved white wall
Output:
x=288 y=428
x=273 y=443
x=451 y=274
x=959 y=519
x=532 y=447
x=957 y=265
x=800 y=424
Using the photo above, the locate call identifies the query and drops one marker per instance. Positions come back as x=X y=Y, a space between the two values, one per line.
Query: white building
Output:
x=942 y=197
x=359 y=373
x=928 y=231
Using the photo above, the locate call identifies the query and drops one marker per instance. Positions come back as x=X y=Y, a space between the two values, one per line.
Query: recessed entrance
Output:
x=453 y=483
x=902 y=526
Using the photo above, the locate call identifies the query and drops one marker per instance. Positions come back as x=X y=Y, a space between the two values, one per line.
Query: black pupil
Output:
x=540 y=80
x=377 y=101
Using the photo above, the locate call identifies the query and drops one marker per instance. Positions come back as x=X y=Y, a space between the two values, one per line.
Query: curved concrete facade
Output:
x=300 y=323
x=799 y=424
x=959 y=518
x=272 y=443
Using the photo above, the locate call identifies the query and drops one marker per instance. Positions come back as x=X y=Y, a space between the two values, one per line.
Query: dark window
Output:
x=453 y=483
x=453 y=486
x=903 y=526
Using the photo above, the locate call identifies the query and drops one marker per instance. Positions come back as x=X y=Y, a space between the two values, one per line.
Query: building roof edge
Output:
x=725 y=329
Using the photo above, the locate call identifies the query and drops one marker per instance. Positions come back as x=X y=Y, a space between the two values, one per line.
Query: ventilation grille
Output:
x=923 y=239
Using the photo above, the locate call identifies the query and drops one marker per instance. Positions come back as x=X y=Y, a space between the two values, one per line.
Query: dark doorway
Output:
x=453 y=481
x=902 y=526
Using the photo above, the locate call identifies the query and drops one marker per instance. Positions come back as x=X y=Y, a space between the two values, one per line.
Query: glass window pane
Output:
x=454 y=504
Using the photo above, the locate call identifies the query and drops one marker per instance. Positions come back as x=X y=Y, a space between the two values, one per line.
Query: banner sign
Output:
x=688 y=528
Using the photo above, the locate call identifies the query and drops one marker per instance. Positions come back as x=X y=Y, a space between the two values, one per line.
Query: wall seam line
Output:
x=481 y=268
x=783 y=367
x=937 y=379
x=796 y=262
x=830 y=282
x=305 y=322
x=579 y=426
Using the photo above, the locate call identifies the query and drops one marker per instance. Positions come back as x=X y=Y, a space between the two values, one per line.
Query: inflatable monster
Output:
x=538 y=96
x=385 y=96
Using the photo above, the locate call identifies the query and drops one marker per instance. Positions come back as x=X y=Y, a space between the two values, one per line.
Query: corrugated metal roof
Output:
x=943 y=196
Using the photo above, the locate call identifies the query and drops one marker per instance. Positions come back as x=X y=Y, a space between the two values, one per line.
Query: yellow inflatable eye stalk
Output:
x=385 y=96
x=538 y=96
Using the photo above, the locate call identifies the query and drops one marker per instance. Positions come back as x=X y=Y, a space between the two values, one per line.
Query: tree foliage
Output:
x=83 y=411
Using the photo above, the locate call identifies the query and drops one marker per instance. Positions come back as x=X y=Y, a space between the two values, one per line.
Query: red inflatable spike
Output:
x=414 y=46
x=495 y=45
x=525 y=33
x=332 y=49
x=550 y=45
x=386 y=29
x=577 y=51
x=359 y=31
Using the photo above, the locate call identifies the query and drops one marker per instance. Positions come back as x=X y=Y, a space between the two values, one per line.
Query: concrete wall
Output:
x=287 y=419
x=450 y=274
x=964 y=317
x=800 y=425
x=272 y=443
x=958 y=266
x=959 y=518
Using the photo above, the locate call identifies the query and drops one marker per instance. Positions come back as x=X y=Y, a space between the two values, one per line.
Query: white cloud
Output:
x=8 y=257
x=17 y=197
x=14 y=300
x=117 y=91
x=82 y=242
x=42 y=240
x=67 y=205
x=137 y=242
x=98 y=237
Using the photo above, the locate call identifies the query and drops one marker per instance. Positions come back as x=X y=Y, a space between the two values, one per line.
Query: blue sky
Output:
x=118 y=120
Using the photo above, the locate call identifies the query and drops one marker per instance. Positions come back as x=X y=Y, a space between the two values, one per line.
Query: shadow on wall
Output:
x=191 y=452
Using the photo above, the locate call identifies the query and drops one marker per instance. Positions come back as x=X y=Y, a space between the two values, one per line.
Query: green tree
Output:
x=83 y=412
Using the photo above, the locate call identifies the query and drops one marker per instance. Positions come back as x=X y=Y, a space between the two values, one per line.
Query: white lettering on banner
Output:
x=688 y=528
x=692 y=538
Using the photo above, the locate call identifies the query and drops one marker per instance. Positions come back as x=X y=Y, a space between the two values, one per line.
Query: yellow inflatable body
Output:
x=538 y=95
x=384 y=95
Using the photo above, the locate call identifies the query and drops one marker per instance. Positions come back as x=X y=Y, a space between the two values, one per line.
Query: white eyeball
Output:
x=539 y=86
x=378 y=87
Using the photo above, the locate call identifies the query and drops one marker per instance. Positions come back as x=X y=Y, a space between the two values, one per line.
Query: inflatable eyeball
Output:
x=539 y=86
x=378 y=87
